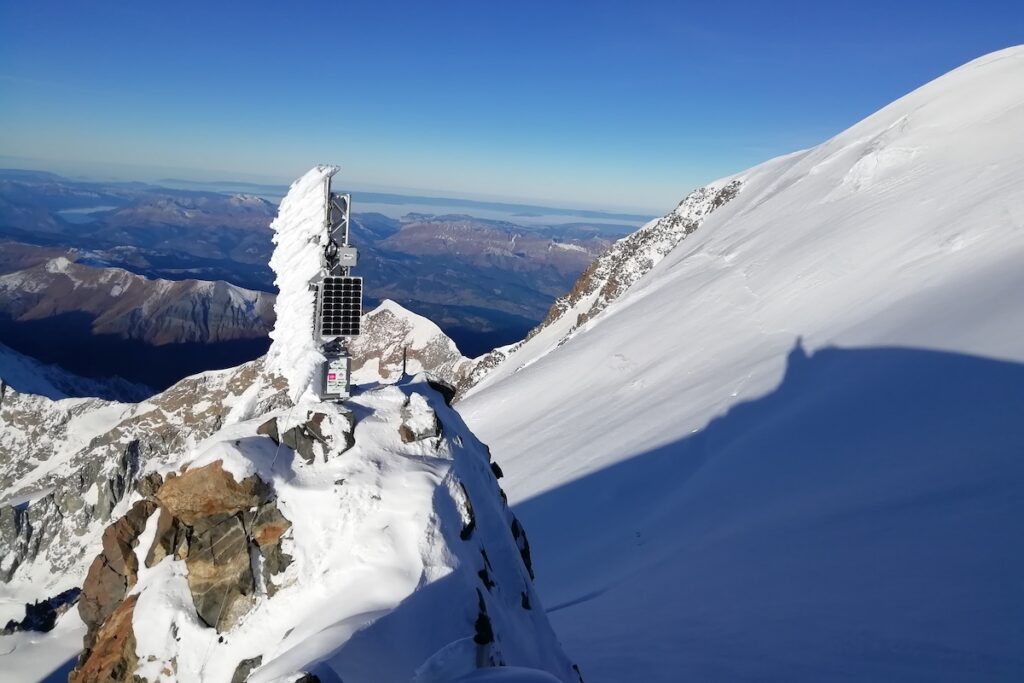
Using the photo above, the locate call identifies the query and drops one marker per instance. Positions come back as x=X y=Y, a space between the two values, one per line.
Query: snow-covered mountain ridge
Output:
x=131 y=306
x=788 y=451
x=208 y=526
x=388 y=510
x=606 y=279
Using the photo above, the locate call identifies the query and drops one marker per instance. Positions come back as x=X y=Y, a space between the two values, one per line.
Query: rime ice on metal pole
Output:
x=319 y=303
x=299 y=242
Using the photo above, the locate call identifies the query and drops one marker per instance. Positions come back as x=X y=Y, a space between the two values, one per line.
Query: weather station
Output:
x=339 y=298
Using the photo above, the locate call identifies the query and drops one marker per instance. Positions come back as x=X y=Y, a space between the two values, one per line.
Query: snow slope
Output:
x=792 y=451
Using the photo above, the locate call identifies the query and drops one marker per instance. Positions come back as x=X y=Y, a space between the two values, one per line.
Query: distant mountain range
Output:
x=485 y=281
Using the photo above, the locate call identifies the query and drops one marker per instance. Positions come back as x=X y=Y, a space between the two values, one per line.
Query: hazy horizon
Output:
x=602 y=105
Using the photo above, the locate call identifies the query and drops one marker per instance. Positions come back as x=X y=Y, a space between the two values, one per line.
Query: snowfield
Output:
x=794 y=450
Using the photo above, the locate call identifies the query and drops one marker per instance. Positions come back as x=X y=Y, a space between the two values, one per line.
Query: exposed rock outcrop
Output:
x=42 y=615
x=400 y=524
x=205 y=518
x=104 y=453
x=309 y=439
x=394 y=337
x=609 y=276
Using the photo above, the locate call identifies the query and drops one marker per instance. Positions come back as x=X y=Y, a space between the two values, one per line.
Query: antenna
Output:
x=339 y=297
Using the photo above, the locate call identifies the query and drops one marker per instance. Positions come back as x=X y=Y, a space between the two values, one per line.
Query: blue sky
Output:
x=589 y=104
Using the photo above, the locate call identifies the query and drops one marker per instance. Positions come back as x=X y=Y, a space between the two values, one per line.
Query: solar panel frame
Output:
x=339 y=306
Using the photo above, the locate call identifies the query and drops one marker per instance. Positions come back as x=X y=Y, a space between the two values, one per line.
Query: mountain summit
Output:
x=235 y=528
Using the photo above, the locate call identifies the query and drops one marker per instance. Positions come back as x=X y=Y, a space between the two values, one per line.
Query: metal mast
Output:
x=339 y=297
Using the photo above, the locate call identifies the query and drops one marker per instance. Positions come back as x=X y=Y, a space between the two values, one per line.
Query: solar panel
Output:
x=341 y=306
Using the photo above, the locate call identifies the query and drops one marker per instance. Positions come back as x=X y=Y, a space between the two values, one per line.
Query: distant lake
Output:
x=83 y=215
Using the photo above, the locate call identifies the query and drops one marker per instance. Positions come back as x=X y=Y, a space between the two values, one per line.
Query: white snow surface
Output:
x=794 y=450
x=381 y=582
x=297 y=259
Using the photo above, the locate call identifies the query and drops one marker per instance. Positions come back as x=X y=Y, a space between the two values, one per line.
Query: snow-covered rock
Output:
x=792 y=450
x=390 y=329
x=408 y=541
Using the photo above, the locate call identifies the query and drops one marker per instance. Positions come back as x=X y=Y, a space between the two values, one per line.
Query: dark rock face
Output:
x=42 y=616
x=28 y=531
x=519 y=534
x=246 y=667
x=219 y=571
x=171 y=539
x=446 y=390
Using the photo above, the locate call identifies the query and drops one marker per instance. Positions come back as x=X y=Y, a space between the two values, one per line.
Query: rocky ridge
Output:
x=225 y=556
x=131 y=306
x=69 y=466
x=612 y=273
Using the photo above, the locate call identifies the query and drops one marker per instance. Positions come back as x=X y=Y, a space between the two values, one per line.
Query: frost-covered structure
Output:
x=298 y=252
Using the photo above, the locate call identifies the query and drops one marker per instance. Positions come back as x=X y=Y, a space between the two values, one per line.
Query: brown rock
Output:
x=112 y=658
x=148 y=485
x=114 y=570
x=120 y=538
x=220 y=571
x=103 y=589
x=210 y=490
x=171 y=539
x=269 y=525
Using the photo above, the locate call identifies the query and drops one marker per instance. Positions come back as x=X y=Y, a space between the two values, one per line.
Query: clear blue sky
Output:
x=598 y=104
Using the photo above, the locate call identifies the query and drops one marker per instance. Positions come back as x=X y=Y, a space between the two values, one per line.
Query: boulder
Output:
x=310 y=439
x=171 y=539
x=246 y=667
x=210 y=490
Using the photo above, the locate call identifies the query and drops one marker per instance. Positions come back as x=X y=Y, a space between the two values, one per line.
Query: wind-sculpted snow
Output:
x=298 y=257
x=788 y=452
